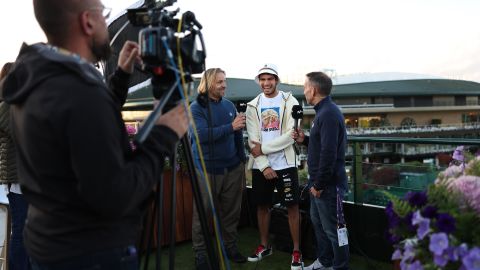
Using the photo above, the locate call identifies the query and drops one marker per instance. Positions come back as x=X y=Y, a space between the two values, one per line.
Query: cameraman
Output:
x=86 y=187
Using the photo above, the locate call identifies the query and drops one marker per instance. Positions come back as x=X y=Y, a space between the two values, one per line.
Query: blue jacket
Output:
x=326 y=146
x=226 y=149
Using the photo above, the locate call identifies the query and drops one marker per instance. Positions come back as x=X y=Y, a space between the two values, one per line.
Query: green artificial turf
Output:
x=248 y=240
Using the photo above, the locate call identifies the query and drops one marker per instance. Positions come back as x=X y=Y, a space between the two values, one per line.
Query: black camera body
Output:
x=168 y=45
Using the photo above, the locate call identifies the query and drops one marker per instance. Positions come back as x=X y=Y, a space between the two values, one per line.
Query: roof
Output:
x=419 y=87
x=237 y=89
x=380 y=77
x=246 y=89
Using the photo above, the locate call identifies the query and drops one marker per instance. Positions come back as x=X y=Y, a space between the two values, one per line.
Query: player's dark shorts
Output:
x=286 y=185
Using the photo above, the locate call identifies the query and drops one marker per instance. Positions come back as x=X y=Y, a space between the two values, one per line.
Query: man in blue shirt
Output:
x=219 y=128
x=326 y=168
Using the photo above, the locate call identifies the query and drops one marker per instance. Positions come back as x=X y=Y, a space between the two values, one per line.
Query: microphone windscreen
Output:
x=241 y=106
x=297 y=111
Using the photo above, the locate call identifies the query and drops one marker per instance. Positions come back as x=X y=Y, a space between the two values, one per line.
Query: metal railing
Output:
x=413 y=129
x=370 y=173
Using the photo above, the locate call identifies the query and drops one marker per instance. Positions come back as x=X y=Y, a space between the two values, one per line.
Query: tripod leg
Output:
x=148 y=233
x=173 y=211
x=159 y=222
x=212 y=255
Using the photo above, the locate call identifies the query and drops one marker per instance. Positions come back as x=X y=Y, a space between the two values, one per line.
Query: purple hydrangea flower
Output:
x=469 y=187
x=417 y=199
x=397 y=255
x=423 y=228
x=416 y=218
x=458 y=153
x=429 y=211
x=451 y=254
x=423 y=224
x=452 y=171
x=408 y=220
x=438 y=243
x=393 y=218
x=416 y=265
x=471 y=261
x=389 y=210
x=441 y=260
x=409 y=252
x=446 y=223
x=461 y=250
x=131 y=130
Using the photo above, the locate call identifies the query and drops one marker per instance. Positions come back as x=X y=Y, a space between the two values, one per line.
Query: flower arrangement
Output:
x=131 y=131
x=181 y=164
x=439 y=228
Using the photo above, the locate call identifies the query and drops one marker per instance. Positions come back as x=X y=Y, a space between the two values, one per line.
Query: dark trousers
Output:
x=118 y=259
x=17 y=256
x=227 y=190
x=323 y=212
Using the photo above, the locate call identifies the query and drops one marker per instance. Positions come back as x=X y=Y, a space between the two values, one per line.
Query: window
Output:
x=443 y=101
x=383 y=100
x=353 y=101
x=426 y=101
x=472 y=100
x=402 y=102
x=460 y=101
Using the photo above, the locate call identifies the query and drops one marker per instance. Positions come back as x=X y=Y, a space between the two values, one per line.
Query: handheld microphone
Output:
x=297 y=113
x=241 y=106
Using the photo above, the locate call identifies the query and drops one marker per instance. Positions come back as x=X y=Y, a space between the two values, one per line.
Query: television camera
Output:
x=170 y=46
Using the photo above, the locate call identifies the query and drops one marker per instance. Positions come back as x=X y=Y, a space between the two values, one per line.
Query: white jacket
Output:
x=283 y=142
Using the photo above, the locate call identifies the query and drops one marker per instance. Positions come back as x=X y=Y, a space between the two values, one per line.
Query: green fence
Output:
x=396 y=165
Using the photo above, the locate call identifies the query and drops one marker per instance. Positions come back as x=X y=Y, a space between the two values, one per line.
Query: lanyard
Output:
x=340 y=217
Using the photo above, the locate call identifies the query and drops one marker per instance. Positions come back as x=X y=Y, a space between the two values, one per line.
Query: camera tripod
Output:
x=212 y=253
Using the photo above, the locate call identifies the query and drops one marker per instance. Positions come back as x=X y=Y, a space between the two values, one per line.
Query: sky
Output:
x=345 y=37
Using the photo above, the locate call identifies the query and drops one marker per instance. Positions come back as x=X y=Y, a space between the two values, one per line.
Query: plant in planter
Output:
x=131 y=131
x=181 y=160
x=438 y=228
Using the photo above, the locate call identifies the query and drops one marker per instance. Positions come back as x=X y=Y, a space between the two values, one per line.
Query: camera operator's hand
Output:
x=176 y=119
x=129 y=55
x=239 y=122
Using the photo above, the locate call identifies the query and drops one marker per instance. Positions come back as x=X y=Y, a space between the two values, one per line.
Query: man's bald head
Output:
x=56 y=17
x=75 y=25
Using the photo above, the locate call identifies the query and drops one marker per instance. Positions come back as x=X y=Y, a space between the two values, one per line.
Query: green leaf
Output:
x=400 y=206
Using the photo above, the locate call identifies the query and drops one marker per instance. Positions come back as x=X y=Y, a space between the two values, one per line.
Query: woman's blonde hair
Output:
x=208 y=79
